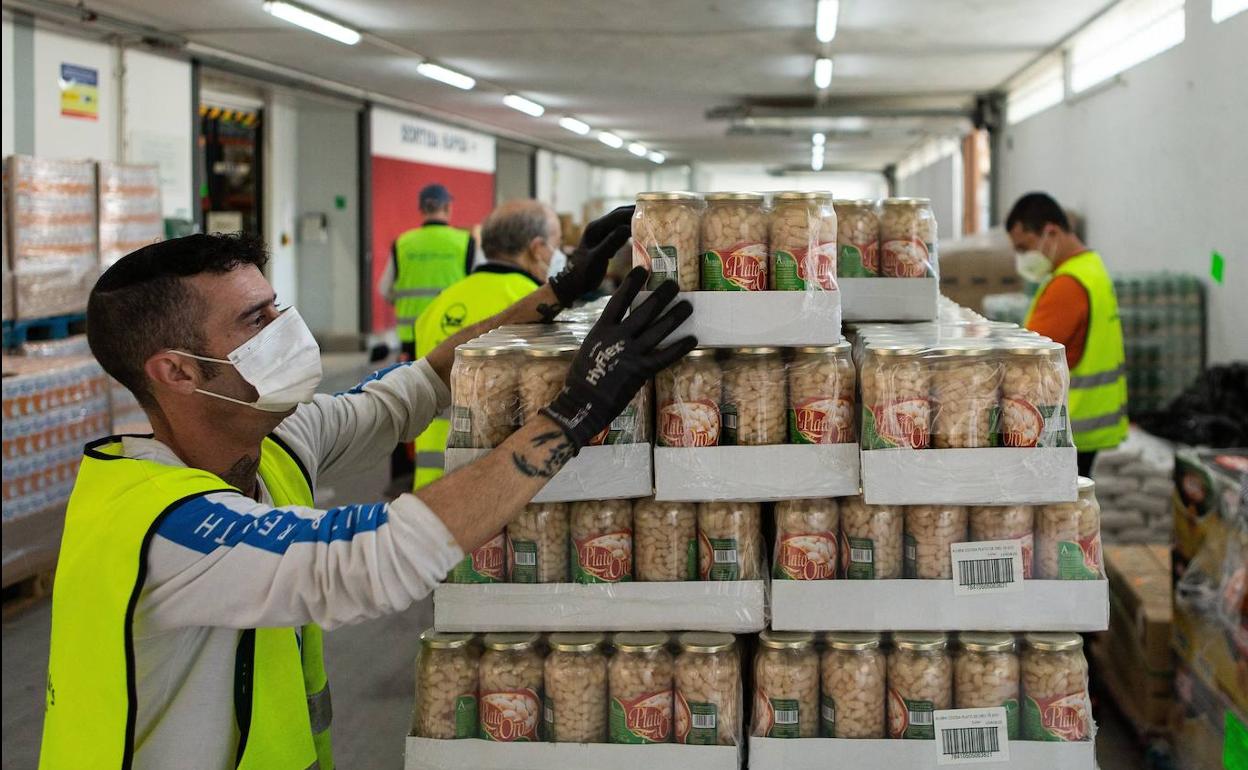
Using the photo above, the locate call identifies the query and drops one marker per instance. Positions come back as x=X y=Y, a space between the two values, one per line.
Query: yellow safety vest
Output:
x=1098 y=383
x=491 y=289
x=282 y=705
x=426 y=260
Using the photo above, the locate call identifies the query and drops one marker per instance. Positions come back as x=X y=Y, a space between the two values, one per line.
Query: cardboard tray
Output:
x=930 y=605
x=834 y=753
x=988 y=476
x=744 y=318
x=888 y=299
x=597 y=473
x=737 y=607
x=434 y=754
x=755 y=472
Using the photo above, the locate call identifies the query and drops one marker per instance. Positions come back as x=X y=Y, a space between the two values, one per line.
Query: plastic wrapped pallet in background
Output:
x=1163 y=329
x=52 y=234
x=125 y=413
x=129 y=209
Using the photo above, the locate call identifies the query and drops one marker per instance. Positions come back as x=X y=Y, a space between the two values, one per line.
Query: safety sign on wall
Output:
x=80 y=92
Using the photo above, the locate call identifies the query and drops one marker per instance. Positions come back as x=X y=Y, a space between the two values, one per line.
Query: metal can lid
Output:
x=854 y=202
x=706 y=641
x=639 y=641
x=677 y=195
x=570 y=642
x=907 y=201
x=841 y=347
x=439 y=640
x=701 y=353
x=786 y=640
x=921 y=641
x=1054 y=642
x=1085 y=484
x=755 y=351
x=512 y=641
x=798 y=195
x=552 y=349
x=734 y=196
x=1035 y=347
x=966 y=350
x=484 y=351
x=899 y=350
x=983 y=641
x=851 y=640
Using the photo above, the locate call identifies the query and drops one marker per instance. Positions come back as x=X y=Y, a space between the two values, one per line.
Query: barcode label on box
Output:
x=991 y=567
x=971 y=736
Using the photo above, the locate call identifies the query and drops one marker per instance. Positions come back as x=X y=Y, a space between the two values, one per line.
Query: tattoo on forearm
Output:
x=548 y=311
x=558 y=450
x=242 y=474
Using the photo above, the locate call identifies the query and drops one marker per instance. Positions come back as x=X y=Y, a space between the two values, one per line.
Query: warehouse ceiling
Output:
x=653 y=70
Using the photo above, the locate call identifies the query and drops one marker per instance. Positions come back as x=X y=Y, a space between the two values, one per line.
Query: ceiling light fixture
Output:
x=823 y=73
x=816 y=158
x=826 y=13
x=444 y=75
x=313 y=22
x=610 y=140
x=527 y=106
x=657 y=157
x=638 y=149
x=574 y=125
x=819 y=139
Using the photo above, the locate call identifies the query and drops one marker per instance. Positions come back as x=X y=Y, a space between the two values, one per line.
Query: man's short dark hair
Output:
x=141 y=306
x=1035 y=210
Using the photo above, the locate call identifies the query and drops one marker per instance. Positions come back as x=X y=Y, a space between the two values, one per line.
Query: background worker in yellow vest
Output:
x=196 y=571
x=520 y=239
x=1076 y=306
x=423 y=262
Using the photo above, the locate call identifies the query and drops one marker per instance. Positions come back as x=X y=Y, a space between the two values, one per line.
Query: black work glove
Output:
x=588 y=264
x=618 y=356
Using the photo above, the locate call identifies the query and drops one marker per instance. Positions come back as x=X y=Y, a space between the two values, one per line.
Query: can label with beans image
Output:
x=510 y=715
x=688 y=424
x=486 y=564
x=523 y=560
x=827 y=717
x=800 y=268
x=644 y=719
x=910 y=718
x=776 y=717
x=821 y=421
x=857 y=558
x=1020 y=423
x=859 y=260
x=661 y=260
x=741 y=267
x=606 y=558
x=1079 y=560
x=718 y=558
x=1060 y=718
x=905 y=258
x=466 y=716
x=697 y=722
x=806 y=556
x=897 y=424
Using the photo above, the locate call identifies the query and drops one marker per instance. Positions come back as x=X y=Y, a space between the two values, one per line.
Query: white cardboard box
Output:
x=988 y=476
x=596 y=473
x=737 y=606
x=744 y=318
x=930 y=605
x=755 y=472
x=836 y=753
x=888 y=299
x=434 y=754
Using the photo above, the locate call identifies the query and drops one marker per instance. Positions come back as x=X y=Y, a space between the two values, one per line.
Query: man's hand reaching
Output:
x=588 y=264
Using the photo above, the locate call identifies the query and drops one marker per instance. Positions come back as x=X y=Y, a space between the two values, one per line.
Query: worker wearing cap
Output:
x=520 y=239
x=1076 y=306
x=196 y=570
x=423 y=262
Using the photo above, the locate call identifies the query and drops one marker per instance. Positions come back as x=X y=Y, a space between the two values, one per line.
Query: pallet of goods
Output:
x=129 y=209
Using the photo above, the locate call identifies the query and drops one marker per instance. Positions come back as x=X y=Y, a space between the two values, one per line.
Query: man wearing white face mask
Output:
x=196 y=573
x=1076 y=306
x=521 y=239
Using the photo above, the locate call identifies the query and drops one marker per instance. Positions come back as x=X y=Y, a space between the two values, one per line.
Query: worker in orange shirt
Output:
x=1076 y=306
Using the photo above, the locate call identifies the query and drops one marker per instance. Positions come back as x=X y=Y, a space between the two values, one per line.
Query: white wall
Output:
x=281 y=180
x=941 y=181
x=1157 y=165
x=57 y=136
x=158 y=125
x=6 y=88
x=563 y=182
x=710 y=177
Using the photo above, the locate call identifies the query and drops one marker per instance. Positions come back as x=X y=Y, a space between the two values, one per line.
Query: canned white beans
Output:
x=896 y=399
x=858 y=239
x=821 y=395
x=665 y=238
x=1033 y=396
x=803 y=241
x=446 y=687
x=907 y=238
x=1005 y=522
x=754 y=404
x=708 y=690
x=853 y=677
x=640 y=677
x=602 y=541
x=1055 y=689
x=511 y=688
x=665 y=540
x=576 y=689
x=786 y=686
x=871 y=540
x=986 y=675
x=965 y=393
x=537 y=544
x=930 y=530
x=806 y=539
x=920 y=682
x=687 y=396
x=484 y=396
x=730 y=543
x=734 y=243
x=1068 y=538
x=543 y=370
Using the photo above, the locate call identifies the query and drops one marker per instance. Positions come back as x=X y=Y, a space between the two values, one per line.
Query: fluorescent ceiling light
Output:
x=312 y=21
x=610 y=139
x=574 y=125
x=816 y=159
x=527 y=106
x=656 y=157
x=823 y=73
x=818 y=140
x=825 y=19
x=444 y=75
x=638 y=149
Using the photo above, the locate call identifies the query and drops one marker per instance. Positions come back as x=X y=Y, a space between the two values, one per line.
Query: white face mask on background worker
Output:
x=282 y=362
x=1034 y=264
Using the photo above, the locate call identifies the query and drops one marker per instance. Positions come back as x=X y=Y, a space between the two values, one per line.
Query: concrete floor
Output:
x=370 y=665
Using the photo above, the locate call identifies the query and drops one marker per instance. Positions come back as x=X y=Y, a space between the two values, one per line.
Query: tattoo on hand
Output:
x=242 y=474
x=548 y=311
x=558 y=452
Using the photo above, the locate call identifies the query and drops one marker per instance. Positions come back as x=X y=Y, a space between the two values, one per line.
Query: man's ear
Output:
x=171 y=372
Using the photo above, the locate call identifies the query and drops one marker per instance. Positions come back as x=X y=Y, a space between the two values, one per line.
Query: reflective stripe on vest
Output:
x=427 y=260
x=1098 y=383
x=114 y=511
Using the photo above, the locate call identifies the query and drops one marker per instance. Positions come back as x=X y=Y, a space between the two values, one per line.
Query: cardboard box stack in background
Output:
x=50 y=206
x=1133 y=656
x=1134 y=485
x=129 y=209
x=976 y=266
x=52 y=406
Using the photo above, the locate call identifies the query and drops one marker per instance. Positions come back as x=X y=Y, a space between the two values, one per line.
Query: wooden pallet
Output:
x=58 y=327
x=26 y=593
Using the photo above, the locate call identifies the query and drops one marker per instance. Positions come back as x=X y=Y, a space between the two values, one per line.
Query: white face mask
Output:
x=1033 y=266
x=282 y=362
x=558 y=260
